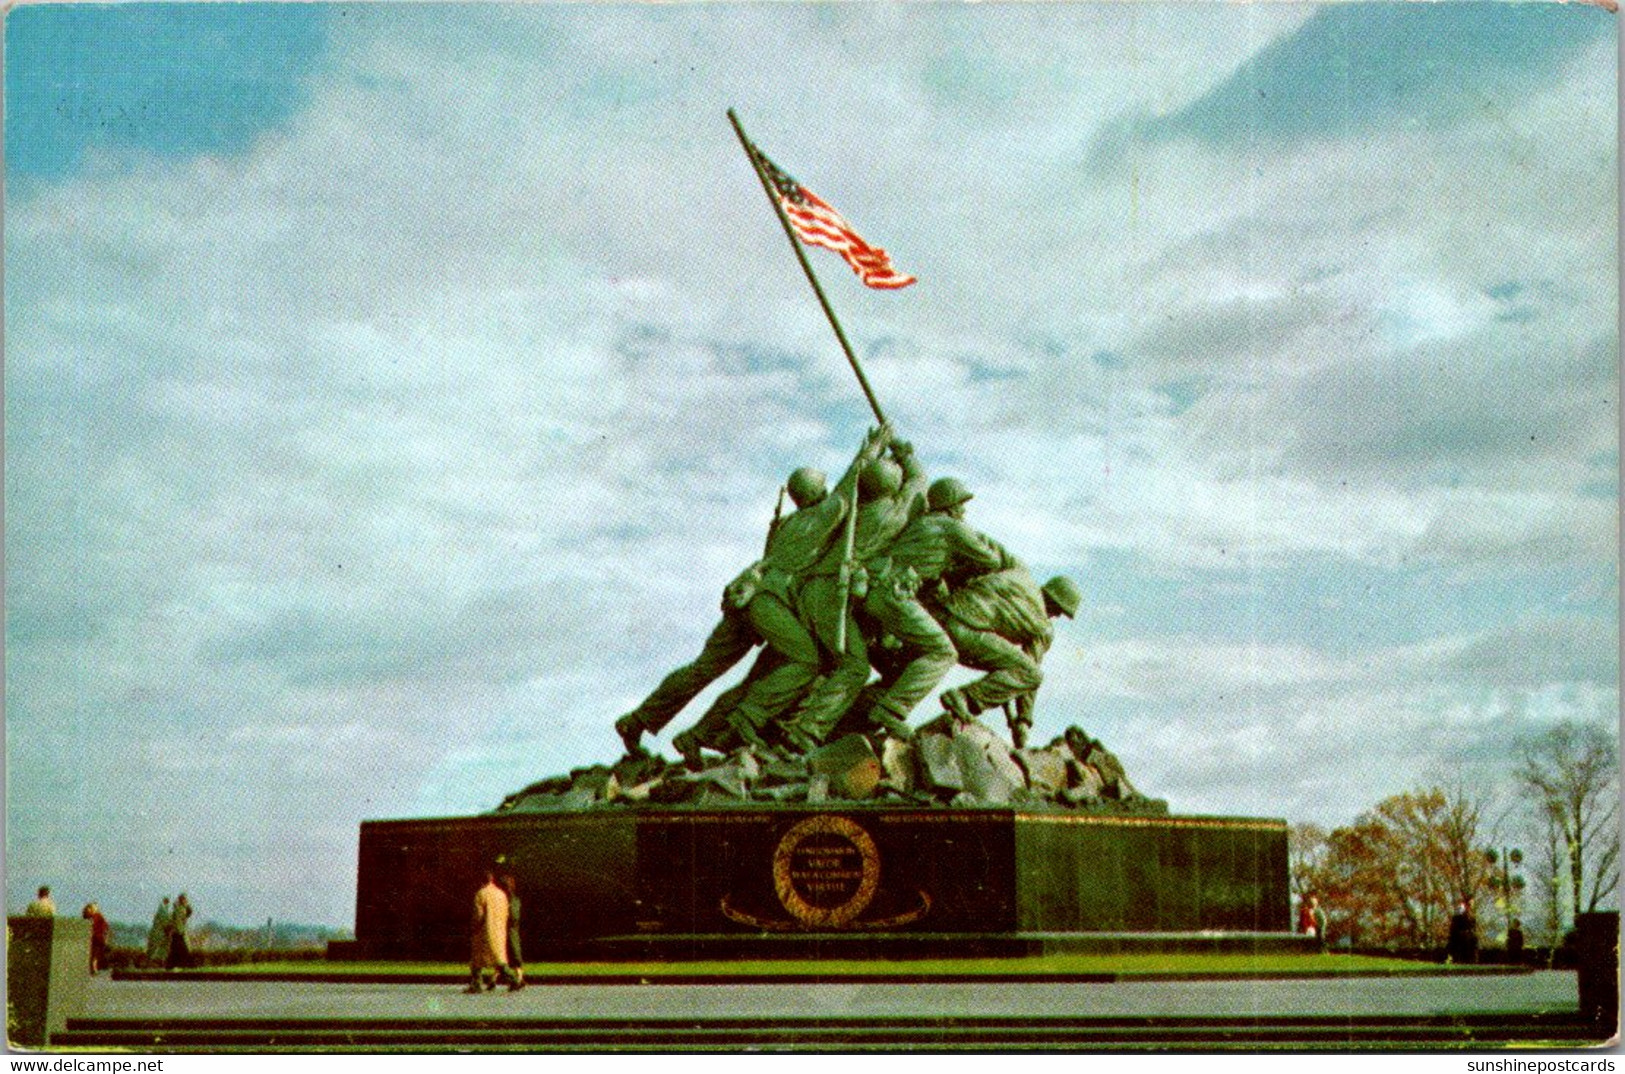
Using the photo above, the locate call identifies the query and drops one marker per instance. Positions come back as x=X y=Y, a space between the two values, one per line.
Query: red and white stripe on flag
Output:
x=818 y=224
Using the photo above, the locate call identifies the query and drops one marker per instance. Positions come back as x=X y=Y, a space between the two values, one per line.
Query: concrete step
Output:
x=813 y=1034
x=878 y=976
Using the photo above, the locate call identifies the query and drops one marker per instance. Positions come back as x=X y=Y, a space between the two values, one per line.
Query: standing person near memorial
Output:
x=488 y=960
x=1515 y=942
x=1462 y=945
x=516 y=960
x=158 y=934
x=1306 y=916
x=99 y=930
x=180 y=952
x=42 y=906
x=1318 y=915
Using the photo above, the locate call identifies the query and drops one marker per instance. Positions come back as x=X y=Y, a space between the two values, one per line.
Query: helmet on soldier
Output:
x=1063 y=593
x=946 y=492
x=881 y=478
x=806 y=486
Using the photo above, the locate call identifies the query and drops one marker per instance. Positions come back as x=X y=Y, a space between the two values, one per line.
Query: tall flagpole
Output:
x=801 y=256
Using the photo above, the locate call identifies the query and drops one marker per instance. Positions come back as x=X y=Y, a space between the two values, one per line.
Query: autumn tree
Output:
x=1356 y=885
x=1572 y=772
x=1393 y=877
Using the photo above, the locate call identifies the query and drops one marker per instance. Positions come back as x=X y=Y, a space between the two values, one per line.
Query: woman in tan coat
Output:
x=489 y=958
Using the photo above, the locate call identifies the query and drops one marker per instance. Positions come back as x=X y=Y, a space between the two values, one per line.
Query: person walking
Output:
x=158 y=935
x=516 y=960
x=180 y=952
x=42 y=906
x=488 y=960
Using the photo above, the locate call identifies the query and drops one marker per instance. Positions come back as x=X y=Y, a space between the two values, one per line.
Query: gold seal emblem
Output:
x=826 y=871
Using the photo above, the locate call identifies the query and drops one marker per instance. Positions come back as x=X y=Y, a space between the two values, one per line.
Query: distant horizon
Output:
x=391 y=390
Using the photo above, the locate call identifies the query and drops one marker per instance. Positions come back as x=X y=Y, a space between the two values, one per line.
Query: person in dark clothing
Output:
x=180 y=953
x=99 y=930
x=516 y=961
x=1462 y=945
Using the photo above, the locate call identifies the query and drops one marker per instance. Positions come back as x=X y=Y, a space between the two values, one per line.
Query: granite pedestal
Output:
x=47 y=969
x=765 y=881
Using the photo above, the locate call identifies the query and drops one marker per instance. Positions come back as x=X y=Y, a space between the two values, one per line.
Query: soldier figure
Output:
x=800 y=542
x=890 y=495
x=937 y=592
x=755 y=610
x=712 y=730
x=936 y=548
x=999 y=622
x=730 y=640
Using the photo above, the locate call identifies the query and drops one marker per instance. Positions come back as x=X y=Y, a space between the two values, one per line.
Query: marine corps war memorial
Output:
x=837 y=802
x=833 y=801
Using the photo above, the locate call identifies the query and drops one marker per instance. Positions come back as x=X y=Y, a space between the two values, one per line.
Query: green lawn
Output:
x=1285 y=965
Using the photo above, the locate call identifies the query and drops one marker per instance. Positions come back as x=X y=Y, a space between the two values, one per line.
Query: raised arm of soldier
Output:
x=970 y=552
x=914 y=478
x=801 y=538
x=875 y=442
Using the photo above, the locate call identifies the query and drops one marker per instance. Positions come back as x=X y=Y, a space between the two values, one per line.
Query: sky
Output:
x=390 y=391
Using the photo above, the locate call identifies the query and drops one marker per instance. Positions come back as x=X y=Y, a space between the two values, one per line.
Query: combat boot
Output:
x=631 y=732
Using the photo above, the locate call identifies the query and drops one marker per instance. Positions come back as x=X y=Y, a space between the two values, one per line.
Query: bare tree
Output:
x=1306 y=850
x=1416 y=861
x=1572 y=770
x=1548 y=870
x=1463 y=836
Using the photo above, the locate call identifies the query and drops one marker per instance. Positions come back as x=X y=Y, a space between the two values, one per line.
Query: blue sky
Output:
x=390 y=390
x=168 y=79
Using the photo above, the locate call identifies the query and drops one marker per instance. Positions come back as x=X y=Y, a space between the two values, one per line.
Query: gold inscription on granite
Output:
x=826 y=871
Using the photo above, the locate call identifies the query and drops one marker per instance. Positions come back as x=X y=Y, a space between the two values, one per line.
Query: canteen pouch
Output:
x=738 y=594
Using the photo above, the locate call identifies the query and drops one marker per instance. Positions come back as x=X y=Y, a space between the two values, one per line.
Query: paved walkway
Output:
x=1418 y=995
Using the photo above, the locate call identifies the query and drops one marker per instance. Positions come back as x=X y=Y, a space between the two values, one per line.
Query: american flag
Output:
x=818 y=224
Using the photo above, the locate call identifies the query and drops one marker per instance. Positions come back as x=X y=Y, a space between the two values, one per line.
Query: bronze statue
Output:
x=756 y=610
x=937 y=547
x=801 y=541
x=891 y=493
x=999 y=622
x=910 y=591
x=736 y=634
